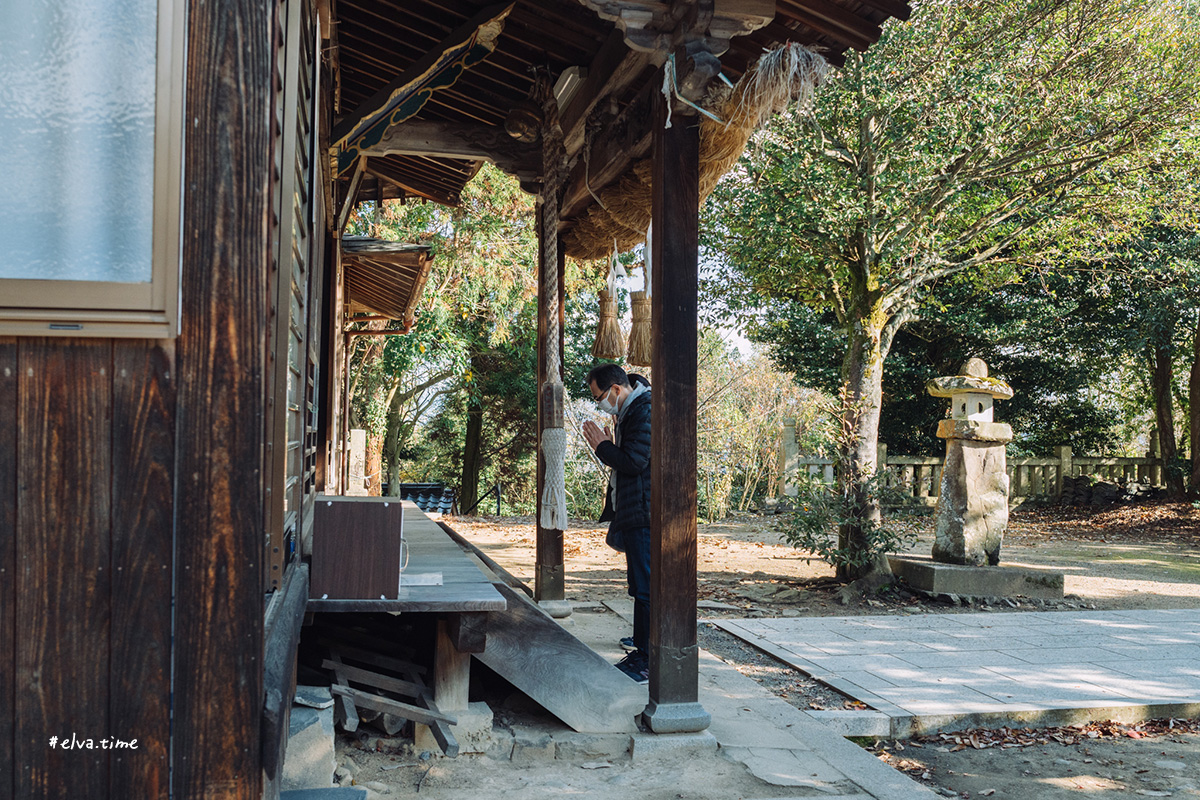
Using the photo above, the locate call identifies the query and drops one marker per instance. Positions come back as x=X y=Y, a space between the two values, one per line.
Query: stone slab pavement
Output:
x=930 y=671
x=778 y=743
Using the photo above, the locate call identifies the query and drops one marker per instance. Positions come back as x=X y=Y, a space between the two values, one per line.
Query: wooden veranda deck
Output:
x=430 y=552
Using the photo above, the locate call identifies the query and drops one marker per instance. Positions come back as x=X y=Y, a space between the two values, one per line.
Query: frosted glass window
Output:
x=77 y=124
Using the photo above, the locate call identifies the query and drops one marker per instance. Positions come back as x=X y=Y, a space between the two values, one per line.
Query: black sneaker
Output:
x=636 y=665
x=627 y=644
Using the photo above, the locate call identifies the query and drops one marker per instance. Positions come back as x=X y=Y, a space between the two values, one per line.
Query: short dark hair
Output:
x=605 y=376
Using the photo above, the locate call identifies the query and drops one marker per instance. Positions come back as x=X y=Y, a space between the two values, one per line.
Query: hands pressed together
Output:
x=595 y=434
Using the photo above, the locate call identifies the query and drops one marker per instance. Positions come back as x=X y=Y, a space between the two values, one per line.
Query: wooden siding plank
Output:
x=8 y=561
x=221 y=373
x=143 y=486
x=63 y=586
x=285 y=616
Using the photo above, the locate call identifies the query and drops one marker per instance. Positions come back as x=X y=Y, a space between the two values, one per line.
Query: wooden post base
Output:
x=550 y=589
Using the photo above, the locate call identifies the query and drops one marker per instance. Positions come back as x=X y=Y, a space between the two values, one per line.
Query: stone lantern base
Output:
x=972 y=507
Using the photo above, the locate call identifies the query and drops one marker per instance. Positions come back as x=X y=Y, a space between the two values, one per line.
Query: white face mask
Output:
x=605 y=406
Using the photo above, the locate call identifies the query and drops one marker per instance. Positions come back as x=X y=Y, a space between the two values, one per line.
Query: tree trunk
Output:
x=393 y=441
x=374 y=465
x=468 y=491
x=862 y=390
x=1194 y=412
x=1164 y=414
x=396 y=435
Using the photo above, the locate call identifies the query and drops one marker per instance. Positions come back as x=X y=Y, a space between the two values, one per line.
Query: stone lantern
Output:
x=972 y=507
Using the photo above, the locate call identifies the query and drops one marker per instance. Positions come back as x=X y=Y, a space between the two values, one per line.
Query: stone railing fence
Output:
x=1028 y=478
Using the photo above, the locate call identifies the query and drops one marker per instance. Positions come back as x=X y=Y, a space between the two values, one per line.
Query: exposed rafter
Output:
x=830 y=18
x=379 y=39
x=407 y=94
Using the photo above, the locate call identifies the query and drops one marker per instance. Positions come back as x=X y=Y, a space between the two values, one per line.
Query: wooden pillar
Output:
x=549 y=571
x=221 y=366
x=451 y=683
x=674 y=666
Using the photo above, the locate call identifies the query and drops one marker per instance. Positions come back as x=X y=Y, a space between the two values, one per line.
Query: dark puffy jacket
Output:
x=631 y=463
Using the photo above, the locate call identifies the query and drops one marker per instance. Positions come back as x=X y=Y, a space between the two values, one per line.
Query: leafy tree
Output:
x=1150 y=301
x=479 y=300
x=972 y=141
x=1034 y=333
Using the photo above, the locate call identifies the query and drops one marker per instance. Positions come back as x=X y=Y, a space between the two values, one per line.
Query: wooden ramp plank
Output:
x=541 y=658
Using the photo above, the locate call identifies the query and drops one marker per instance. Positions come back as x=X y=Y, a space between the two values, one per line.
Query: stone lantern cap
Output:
x=973 y=379
x=971 y=395
x=957 y=384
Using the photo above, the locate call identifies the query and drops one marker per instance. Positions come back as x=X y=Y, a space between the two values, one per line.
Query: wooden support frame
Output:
x=621 y=143
x=220 y=368
x=451 y=684
x=386 y=705
x=458 y=140
x=351 y=195
x=406 y=94
x=674 y=655
x=613 y=70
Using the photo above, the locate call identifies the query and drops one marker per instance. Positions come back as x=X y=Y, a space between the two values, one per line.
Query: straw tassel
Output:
x=639 y=335
x=610 y=342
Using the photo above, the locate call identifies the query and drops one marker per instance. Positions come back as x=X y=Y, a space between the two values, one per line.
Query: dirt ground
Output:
x=1119 y=558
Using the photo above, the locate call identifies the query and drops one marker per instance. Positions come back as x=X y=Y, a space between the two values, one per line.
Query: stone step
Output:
x=309 y=762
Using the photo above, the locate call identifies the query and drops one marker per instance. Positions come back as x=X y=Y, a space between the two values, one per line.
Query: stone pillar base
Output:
x=676 y=717
x=559 y=609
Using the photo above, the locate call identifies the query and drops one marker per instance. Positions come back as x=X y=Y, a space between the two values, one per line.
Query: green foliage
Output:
x=1039 y=334
x=474 y=337
x=979 y=140
x=820 y=510
x=742 y=404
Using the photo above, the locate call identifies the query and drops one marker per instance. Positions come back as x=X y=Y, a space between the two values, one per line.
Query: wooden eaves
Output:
x=606 y=124
x=385 y=277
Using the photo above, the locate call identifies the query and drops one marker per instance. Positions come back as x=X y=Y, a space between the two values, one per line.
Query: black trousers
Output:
x=637 y=565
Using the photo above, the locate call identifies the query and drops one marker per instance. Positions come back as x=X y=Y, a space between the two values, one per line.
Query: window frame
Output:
x=57 y=307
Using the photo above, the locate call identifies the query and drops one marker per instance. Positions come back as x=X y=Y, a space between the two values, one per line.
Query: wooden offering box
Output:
x=356 y=548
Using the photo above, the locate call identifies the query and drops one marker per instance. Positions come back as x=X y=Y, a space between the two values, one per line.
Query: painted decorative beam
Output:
x=405 y=96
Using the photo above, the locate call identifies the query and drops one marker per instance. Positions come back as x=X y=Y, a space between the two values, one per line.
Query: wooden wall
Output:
x=129 y=466
x=87 y=433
